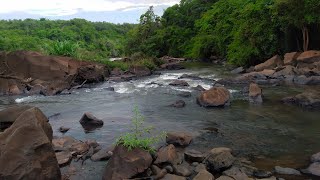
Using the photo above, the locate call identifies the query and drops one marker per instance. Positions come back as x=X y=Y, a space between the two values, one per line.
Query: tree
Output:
x=300 y=14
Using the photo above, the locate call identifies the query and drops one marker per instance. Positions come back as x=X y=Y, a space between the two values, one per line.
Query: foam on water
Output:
x=26 y=99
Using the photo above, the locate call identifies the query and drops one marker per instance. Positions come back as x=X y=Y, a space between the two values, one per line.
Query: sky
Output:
x=115 y=11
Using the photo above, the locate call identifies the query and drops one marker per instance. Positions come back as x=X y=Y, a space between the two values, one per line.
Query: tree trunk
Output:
x=305 y=34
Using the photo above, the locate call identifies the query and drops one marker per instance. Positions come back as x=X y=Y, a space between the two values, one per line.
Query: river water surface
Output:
x=287 y=134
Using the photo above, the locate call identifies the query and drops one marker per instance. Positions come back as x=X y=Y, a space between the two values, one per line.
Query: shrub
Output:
x=63 y=48
x=139 y=135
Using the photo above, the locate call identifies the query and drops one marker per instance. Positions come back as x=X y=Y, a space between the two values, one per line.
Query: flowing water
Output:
x=272 y=130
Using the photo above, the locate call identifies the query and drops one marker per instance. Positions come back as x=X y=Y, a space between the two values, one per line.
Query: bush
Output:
x=63 y=48
x=140 y=135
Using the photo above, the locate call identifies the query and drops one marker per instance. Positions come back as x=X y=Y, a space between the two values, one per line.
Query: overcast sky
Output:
x=116 y=11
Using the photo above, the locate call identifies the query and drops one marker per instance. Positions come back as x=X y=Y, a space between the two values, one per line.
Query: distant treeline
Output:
x=76 y=37
x=243 y=31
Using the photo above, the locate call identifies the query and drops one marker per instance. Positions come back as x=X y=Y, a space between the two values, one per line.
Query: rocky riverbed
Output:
x=254 y=125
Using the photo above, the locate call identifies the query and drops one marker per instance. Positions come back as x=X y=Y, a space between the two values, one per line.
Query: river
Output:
x=271 y=131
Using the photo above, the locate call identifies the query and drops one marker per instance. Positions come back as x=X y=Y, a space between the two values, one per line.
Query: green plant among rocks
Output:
x=140 y=136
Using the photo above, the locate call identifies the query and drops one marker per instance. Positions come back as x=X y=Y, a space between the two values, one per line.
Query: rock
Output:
x=168 y=154
x=102 y=155
x=172 y=66
x=236 y=173
x=169 y=169
x=200 y=167
x=48 y=75
x=302 y=80
x=26 y=149
x=225 y=178
x=255 y=93
x=179 y=104
x=216 y=151
x=63 y=157
x=271 y=63
x=79 y=148
x=314 y=169
x=315 y=157
x=238 y=70
x=286 y=71
x=92 y=143
x=179 y=83
x=194 y=156
x=307 y=99
x=204 y=175
x=9 y=115
x=63 y=143
x=184 y=94
x=139 y=71
x=109 y=89
x=309 y=57
x=173 y=177
x=89 y=121
x=116 y=72
x=262 y=174
x=179 y=138
x=291 y=58
x=168 y=59
x=286 y=171
x=199 y=88
x=64 y=129
x=181 y=170
x=217 y=162
x=215 y=97
x=126 y=164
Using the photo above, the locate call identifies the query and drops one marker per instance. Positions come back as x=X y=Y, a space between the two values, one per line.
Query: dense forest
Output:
x=77 y=37
x=244 y=32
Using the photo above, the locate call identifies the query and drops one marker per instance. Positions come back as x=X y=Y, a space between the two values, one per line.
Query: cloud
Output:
x=71 y=7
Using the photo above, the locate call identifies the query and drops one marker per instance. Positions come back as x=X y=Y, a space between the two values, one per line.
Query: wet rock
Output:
x=200 y=167
x=173 y=177
x=235 y=173
x=168 y=154
x=179 y=138
x=314 y=169
x=204 y=175
x=269 y=64
x=63 y=157
x=307 y=99
x=179 y=83
x=26 y=149
x=64 y=129
x=286 y=171
x=102 y=155
x=199 y=88
x=179 y=104
x=309 y=57
x=139 y=71
x=215 y=97
x=181 y=170
x=286 y=71
x=89 y=121
x=184 y=94
x=225 y=178
x=291 y=58
x=219 y=160
x=255 y=93
x=126 y=164
x=194 y=156
x=238 y=70
x=315 y=157
x=262 y=174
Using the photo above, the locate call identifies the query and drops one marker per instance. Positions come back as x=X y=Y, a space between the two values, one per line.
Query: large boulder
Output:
x=291 y=58
x=125 y=164
x=9 y=115
x=24 y=71
x=215 y=97
x=308 y=99
x=26 y=149
x=168 y=154
x=271 y=63
x=309 y=57
x=255 y=93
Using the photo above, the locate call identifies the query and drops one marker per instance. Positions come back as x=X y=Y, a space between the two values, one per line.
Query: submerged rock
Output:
x=307 y=99
x=26 y=149
x=184 y=94
x=215 y=97
x=125 y=164
x=179 y=104
x=179 y=138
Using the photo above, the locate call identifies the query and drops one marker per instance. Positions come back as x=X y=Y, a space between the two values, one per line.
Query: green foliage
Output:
x=63 y=48
x=140 y=135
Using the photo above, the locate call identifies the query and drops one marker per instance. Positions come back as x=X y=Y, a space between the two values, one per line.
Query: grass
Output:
x=140 y=136
x=63 y=48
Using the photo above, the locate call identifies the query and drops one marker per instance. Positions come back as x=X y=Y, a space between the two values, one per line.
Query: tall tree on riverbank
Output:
x=299 y=14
